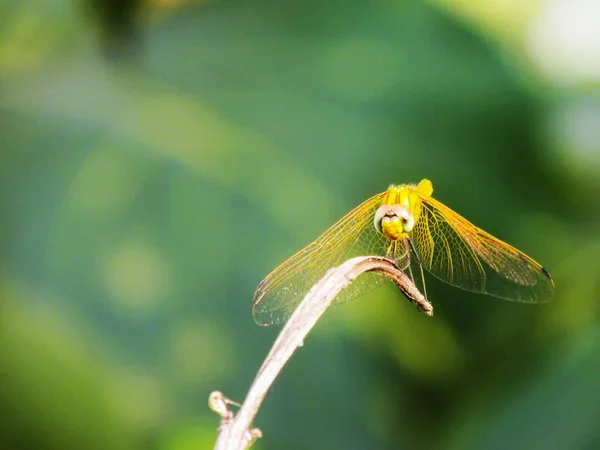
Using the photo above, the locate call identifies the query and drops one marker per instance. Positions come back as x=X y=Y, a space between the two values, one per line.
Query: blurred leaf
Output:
x=52 y=390
x=553 y=411
x=142 y=202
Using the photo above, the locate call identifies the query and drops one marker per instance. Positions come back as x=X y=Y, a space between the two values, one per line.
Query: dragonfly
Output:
x=407 y=225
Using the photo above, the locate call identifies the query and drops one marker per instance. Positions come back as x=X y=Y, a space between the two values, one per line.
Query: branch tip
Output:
x=235 y=431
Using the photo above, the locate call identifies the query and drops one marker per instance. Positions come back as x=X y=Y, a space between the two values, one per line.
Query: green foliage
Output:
x=143 y=199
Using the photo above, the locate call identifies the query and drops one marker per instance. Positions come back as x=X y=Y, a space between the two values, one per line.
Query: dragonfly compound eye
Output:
x=408 y=221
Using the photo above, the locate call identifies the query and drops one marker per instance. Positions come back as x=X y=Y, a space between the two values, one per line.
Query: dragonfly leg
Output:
x=389 y=253
x=401 y=257
x=407 y=256
x=408 y=242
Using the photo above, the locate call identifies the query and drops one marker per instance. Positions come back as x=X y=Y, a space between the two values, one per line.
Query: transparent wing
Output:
x=281 y=291
x=459 y=253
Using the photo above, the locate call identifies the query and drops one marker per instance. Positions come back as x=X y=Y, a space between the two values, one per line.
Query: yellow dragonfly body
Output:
x=407 y=225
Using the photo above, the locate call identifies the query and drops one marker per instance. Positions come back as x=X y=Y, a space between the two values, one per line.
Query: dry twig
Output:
x=235 y=432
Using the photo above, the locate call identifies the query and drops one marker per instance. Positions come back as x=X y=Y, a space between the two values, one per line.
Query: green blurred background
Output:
x=159 y=157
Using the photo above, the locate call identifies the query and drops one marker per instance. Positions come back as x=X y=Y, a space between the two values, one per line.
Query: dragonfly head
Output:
x=393 y=221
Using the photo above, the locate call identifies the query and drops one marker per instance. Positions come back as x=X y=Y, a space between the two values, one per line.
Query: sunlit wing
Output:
x=459 y=253
x=279 y=294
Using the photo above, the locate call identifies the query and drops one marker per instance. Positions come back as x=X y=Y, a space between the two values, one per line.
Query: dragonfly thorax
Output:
x=393 y=221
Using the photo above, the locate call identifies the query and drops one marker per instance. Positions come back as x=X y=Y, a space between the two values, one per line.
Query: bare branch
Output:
x=235 y=432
